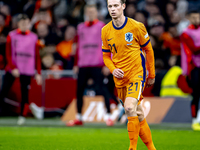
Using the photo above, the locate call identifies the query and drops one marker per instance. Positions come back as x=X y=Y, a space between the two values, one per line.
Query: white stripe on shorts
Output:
x=140 y=91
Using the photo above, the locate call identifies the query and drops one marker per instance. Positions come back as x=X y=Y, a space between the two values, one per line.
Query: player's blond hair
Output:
x=122 y=1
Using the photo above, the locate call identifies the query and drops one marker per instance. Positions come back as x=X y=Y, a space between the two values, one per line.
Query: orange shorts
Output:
x=134 y=89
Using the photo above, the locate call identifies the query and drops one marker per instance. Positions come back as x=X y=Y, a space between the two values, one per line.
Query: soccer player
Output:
x=128 y=42
x=190 y=62
x=22 y=56
x=89 y=63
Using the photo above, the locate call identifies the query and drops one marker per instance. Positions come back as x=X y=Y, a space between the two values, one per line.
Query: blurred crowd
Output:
x=55 y=22
x=57 y=25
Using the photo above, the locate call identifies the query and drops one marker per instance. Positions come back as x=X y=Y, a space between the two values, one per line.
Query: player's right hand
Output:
x=15 y=73
x=118 y=73
x=75 y=69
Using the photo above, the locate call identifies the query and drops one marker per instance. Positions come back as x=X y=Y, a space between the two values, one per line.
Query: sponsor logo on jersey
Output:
x=129 y=44
x=110 y=39
x=139 y=76
x=146 y=36
x=129 y=37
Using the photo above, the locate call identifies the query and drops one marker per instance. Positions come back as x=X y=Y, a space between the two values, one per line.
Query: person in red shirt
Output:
x=22 y=61
x=89 y=62
x=190 y=61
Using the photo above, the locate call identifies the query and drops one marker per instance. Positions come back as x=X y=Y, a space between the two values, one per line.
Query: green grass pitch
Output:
x=91 y=138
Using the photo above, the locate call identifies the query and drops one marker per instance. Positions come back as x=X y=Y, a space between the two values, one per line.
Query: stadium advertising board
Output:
x=156 y=110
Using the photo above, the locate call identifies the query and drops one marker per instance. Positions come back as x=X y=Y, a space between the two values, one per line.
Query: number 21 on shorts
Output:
x=132 y=85
x=134 y=89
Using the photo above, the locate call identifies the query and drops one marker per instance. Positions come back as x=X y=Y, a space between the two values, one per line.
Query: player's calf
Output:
x=145 y=132
x=140 y=113
x=133 y=125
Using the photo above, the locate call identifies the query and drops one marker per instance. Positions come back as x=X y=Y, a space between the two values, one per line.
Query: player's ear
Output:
x=123 y=6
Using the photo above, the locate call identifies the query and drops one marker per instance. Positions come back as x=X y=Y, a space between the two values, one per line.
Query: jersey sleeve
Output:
x=106 y=52
x=105 y=46
x=143 y=36
x=145 y=44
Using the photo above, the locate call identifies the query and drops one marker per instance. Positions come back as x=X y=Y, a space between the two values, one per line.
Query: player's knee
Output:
x=130 y=106
x=130 y=110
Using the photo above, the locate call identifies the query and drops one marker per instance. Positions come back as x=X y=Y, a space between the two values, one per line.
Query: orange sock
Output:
x=145 y=135
x=133 y=131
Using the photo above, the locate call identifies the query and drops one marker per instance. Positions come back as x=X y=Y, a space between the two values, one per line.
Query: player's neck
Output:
x=118 y=22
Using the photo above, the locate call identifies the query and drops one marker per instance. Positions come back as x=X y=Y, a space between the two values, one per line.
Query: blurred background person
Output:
x=190 y=62
x=4 y=9
x=90 y=61
x=43 y=12
x=141 y=17
x=22 y=55
x=101 y=7
x=47 y=41
x=75 y=11
x=3 y=34
x=66 y=49
x=171 y=41
x=41 y=16
x=130 y=11
x=174 y=83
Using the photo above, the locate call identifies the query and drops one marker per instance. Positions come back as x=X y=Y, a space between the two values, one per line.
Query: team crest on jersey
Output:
x=129 y=37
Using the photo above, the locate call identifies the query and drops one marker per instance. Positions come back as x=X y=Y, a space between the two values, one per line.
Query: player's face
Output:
x=115 y=8
x=195 y=18
x=91 y=13
x=24 y=24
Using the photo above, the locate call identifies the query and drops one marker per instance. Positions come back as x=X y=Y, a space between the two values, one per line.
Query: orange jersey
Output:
x=126 y=45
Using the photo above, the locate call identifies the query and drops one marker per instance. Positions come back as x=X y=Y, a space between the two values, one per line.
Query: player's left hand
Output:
x=150 y=82
x=38 y=78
